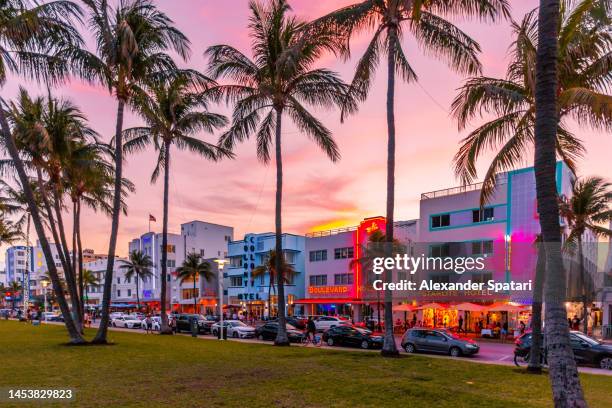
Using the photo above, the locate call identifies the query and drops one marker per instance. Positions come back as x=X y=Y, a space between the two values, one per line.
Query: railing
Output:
x=501 y=179
x=327 y=233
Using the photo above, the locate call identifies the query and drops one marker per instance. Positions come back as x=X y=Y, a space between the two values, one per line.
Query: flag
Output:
x=152 y=218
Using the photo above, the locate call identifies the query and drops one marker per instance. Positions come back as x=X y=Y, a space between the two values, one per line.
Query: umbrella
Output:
x=505 y=307
x=431 y=306
x=405 y=307
x=469 y=307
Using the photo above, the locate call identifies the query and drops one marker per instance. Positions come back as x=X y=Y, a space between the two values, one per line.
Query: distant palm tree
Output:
x=280 y=80
x=138 y=267
x=36 y=39
x=585 y=210
x=269 y=267
x=390 y=20
x=174 y=111
x=194 y=267
x=9 y=232
x=15 y=287
x=89 y=280
x=131 y=44
x=582 y=96
x=563 y=373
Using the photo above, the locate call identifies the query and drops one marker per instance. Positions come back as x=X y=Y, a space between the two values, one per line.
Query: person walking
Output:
x=504 y=332
x=311 y=329
x=460 y=328
x=148 y=324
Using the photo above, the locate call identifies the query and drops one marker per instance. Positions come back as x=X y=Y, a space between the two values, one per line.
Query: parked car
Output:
x=438 y=341
x=352 y=337
x=127 y=322
x=137 y=315
x=55 y=317
x=269 y=331
x=235 y=329
x=155 y=323
x=586 y=350
x=183 y=323
x=297 y=322
x=115 y=315
x=327 y=322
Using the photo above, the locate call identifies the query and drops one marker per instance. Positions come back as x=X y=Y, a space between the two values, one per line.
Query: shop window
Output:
x=343 y=253
x=439 y=221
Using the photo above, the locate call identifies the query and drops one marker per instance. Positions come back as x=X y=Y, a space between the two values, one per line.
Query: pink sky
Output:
x=317 y=193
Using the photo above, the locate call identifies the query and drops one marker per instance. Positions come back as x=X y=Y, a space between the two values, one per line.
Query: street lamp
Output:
x=220 y=264
x=44 y=284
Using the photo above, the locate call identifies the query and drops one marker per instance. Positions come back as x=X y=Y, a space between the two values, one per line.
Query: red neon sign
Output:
x=365 y=229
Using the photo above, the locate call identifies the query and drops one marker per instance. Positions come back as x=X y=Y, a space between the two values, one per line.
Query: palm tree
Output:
x=389 y=20
x=192 y=268
x=131 y=43
x=139 y=267
x=585 y=45
x=565 y=383
x=278 y=81
x=535 y=358
x=588 y=206
x=89 y=280
x=174 y=111
x=34 y=38
x=269 y=267
x=9 y=232
x=377 y=248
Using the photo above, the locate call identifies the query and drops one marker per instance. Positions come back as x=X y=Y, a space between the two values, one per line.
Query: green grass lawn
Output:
x=148 y=371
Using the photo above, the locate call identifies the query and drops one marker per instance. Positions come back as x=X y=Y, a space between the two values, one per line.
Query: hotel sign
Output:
x=328 y=290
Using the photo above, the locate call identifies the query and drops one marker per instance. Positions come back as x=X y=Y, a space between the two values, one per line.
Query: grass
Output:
x=179 y=371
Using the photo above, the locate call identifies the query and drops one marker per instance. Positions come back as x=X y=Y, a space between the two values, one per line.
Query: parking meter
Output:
x=194 y=327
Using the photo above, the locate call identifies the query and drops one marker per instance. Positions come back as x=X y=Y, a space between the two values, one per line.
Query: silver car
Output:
x=438 y=341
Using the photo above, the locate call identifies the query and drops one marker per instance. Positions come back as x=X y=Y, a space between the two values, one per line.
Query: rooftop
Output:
x=501 y=179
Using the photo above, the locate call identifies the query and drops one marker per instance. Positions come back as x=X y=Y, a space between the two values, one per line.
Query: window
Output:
x=439 y=221
x=290 y=257
x=202 y=253
x=343 y=253
x=20 y=262
x=318 y=280
x=119 y=293
x=235 y=261
x=235 y=280
x=262 y=279
x=128 y=280
x=319 y=255
x=118 y=280
x=482 y=277
x=343 y=279
x=440 y=279
x=129 y=292
x=439 y=251
x=189 y=293
x=486 y=214
x=171 y=263
x=402 y=275
x=482 y=247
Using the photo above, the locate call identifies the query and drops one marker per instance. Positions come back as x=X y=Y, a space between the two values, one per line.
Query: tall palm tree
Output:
x=14 y=287
x=139 y=267
x=279 y=80
x=390 y=20
x=564 y=379
x=174 y=112
x=194 y=267
x=34 y=38
x=588 y=206
x=269 y=267
x=9 y=232
x=585 y=44
x=131 y=44
x=89 y=280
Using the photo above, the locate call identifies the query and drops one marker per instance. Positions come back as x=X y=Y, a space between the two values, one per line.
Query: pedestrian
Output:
x=86 y=321
x=172 y=324
x=460 y=328
x=311 y=329
x=148 y=324
x=504 y=332
x=522 y=327
x=576 y=323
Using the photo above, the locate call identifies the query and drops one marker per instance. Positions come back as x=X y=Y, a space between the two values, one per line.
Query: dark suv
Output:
x=438 y=341
x=586 y=350
x=183 y=323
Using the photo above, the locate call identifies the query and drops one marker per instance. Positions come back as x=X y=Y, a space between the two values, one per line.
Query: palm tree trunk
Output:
x=566 y=388
x=100 y=337
x=73 y=332
x=137 y=293
x=80 y=253
x=165 y=328
x=281 y=337
x=389 y=348
x=583 y=288
x=535 y=356
x=79 y=292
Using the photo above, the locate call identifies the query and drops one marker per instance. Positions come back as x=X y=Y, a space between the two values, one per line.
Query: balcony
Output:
x=501 y=179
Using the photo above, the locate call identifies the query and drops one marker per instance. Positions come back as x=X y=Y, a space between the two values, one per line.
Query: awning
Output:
x=405 y=307
x=323 y=301
x=469 y=307
x=505 y=307
x=432 y=306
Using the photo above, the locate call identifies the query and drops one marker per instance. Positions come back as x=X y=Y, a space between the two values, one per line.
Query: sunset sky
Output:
x=318 y=194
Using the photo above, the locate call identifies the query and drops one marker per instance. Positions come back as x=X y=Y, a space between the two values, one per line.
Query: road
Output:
x=490 y=352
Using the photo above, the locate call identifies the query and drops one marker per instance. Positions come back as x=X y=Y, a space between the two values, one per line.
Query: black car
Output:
x=183 y=323
x=269 y=331
x=352 y=337
x=295 y=322
x=586 y=350
x=438 y=341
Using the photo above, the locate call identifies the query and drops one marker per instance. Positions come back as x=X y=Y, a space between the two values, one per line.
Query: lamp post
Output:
x=44 y=284
x=220 y=264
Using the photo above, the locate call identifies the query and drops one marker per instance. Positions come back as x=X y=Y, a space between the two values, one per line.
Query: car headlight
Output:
x=471 y=345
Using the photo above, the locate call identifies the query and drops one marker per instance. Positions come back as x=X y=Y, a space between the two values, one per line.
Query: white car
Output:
x=127 y=322
x=115 y=315
x=235 y=329
x=155 y=323
x=327 y=322
x=137 y=315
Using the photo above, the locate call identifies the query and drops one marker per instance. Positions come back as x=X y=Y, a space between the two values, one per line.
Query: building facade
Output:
x=255 y=294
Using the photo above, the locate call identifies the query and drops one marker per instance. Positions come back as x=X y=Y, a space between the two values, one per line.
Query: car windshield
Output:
x=362 y=331
x=238 y=324
x=586 y=339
